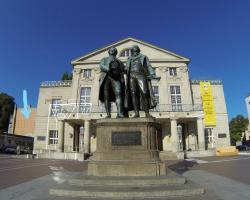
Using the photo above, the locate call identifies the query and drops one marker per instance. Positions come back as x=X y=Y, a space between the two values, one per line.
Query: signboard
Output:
x=126 y=138
x=208 y=104
x=41 y=138
x=222 y=135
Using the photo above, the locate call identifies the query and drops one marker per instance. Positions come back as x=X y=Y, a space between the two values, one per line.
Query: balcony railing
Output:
x=89 y=108
x=177 y=108
x=56 y=83
x=212 y=82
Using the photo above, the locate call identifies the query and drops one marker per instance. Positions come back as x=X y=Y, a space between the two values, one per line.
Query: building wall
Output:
x=161 y=61
x=162 y=70
x=23 y=126
x=247 y=100
x=221 y=113
x=44 y=121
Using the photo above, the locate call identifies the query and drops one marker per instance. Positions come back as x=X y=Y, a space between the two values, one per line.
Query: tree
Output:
x=7 y=105
x=66 y=76
x=238 y=125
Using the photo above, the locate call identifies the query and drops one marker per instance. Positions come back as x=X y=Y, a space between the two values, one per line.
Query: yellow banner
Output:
x=208 y=104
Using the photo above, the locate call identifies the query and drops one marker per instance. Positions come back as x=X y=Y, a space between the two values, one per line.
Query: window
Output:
x=85 y=103
x=209 y=138
x=125 y=53
x=87 y=73
x=53 y=137
x=156 y=93
x=172 y=71
x=55 y=107
x=175 y=93
x=209 y=135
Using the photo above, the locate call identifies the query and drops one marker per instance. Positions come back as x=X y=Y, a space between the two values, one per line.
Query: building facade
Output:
x=67 y=110
x=247 y=100
x=19 y=125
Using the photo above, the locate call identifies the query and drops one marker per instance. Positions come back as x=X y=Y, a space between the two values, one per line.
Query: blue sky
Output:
x=38 y=39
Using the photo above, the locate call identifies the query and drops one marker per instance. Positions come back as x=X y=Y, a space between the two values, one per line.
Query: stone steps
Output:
x=172 y=186
x=128 y=181
x=168 y=155
x=130 y=193
x=197 y=197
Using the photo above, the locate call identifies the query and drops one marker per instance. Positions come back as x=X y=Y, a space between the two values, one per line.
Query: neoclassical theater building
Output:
x=193 y=121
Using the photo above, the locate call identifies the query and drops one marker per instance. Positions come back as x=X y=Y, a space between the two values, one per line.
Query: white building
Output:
x=247 y=100
x=66 y=111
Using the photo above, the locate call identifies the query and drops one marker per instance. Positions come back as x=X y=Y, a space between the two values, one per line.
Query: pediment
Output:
x=153 y=52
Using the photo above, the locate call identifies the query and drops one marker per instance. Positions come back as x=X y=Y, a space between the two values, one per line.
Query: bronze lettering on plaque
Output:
x=126 y=138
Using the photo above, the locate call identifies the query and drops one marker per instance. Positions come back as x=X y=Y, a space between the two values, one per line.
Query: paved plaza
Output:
x=28 y=179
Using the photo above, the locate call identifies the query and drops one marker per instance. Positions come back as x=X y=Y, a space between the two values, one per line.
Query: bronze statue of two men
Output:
x=134 y=94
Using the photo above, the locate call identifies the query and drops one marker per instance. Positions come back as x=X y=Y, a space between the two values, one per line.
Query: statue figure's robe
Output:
x=105 y=69
x=148 y=71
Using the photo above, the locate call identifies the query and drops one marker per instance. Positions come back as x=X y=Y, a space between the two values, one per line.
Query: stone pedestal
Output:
x=126 y=147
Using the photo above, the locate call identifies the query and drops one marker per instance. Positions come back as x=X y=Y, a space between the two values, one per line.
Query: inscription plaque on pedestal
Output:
x=126 y=138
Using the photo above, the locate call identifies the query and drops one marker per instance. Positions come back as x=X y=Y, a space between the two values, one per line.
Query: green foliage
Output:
x=7 y=105
x=66 y=76
x=238 y=125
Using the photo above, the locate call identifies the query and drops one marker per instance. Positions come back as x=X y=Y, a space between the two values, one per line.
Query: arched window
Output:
x=125 y=53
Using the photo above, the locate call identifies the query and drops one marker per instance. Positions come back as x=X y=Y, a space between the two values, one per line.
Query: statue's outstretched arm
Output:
x=151 y=70
x=103 y=66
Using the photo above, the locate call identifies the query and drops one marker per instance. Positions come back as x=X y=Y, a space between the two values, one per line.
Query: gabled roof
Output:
x=82 y=58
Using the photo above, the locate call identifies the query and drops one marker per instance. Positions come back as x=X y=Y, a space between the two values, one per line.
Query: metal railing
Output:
x=177 y=108
x=89 y=108
x=67 y=83
x=212 y=82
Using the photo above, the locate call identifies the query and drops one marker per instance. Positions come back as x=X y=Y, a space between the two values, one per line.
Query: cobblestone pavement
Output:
x=14 y=170
x=233 y=167
x=23 y=178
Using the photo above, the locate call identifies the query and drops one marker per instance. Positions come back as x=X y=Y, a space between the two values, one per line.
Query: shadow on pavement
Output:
x=181 y=166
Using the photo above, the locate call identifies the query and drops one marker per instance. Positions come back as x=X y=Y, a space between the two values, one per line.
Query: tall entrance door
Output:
x=181 y=136
x=76 y=138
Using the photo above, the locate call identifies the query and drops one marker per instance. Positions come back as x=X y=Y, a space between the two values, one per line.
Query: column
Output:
x=167 y=145
x=81 y=139
x=75 y=83
x=201 y=134
x=86 y=136
x=162 y=83
x=61 y=125
x=174 y=135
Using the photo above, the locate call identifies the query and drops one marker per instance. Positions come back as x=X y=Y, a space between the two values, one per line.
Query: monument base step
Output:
x=128 y=181
x=196 y=197
x=169 y=155
x=123 y=154
x=170 y=187
x=130 y=193
x=126 y=168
